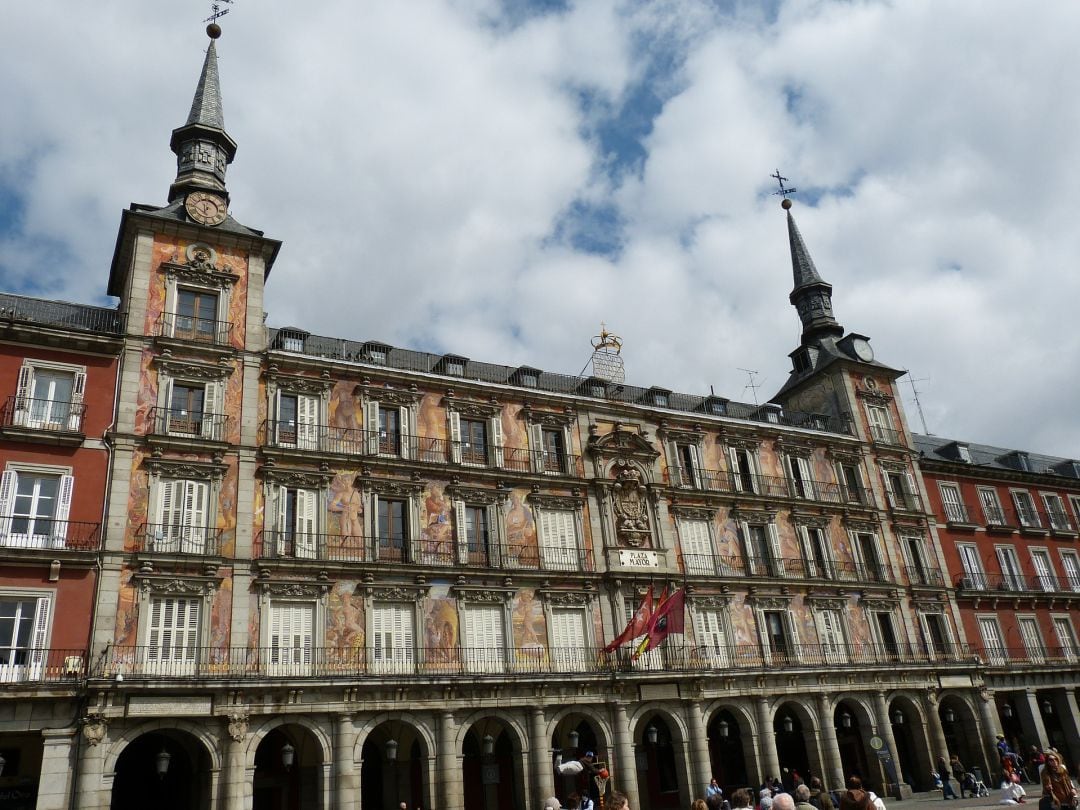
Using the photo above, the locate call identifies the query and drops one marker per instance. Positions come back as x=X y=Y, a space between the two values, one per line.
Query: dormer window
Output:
x=290 y=339
x=963 y=453
x=716 y=406
x=660 y=397
x=376 y=353
x=452 y=365
x=526 y=377
x=1018 y=460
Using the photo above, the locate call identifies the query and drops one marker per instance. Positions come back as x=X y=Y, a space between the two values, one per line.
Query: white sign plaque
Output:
x=632 y=558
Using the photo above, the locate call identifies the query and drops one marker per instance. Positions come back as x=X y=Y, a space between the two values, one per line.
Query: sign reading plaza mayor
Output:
x=634 y=558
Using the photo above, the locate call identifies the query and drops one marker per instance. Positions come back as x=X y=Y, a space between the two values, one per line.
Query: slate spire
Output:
x=203 y=148
x=811 y=296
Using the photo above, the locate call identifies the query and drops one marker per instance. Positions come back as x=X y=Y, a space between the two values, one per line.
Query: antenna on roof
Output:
x=753 y=385
x=607 y=362
x=918 y=405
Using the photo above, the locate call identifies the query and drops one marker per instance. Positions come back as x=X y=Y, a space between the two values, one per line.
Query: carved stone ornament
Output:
x=874 y=395
x=770 y=602
x=547 y=418
x=827 y=603
x=295 y=590
x=695 y=437
x=304 y=479
x=554 y=501
x=751 y=444
x=490 y=596
x=295 y=384
x=621 y=443
x=810 y=521
x=754 y=517
x=399 y=593
x=94 y=727
x=856 y=525
x=711 y=601
x=157 y=585
x=893 y=466
x=238 y=726
x=392 y=489
x=200 y=268
x=565 y=598
x=479 y=410
x=388 y=396
x=844 y=456
x=629 y=502
x=202 y=257
x=692 y=512
x=192 y=370
x=877 y=603
x=184 y=469
x=476 y=495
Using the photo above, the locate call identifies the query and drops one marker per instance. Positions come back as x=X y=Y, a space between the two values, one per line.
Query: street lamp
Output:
x=1047 y=706
x=845 y=719
x=1007 y=711
x=161 y=763
x=288 y=755
x=574 y=737
x=950 y=716
x=724 y=727
x=3 y=762
x=487 y=745
x=391 y=749
x=652 y=735
x=788 y=724
x=898 y=718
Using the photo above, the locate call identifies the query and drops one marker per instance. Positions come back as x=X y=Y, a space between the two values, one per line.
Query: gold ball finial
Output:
x=786 y=204
x=213 y=30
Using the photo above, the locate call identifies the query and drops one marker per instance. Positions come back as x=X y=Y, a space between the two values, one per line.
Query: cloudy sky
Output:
x=497 y=177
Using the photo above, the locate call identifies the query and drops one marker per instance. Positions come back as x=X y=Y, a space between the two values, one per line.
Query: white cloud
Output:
x=416 y=157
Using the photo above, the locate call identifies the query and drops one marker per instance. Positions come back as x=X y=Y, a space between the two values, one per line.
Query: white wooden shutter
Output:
x=306 y=528
x=973 y=569
x=954 y=506
x=173 y=632
x=558 y=544
x=1029 y=632
x=8 y=482
x=211 y=420
x=292 y=627
x=995 y=651
x=307 y=421
x=733 y=461
x=1068 y=562
x=763 y=636
x=406 y=440
x=484 y=638
x=712 y=638
x=696 y=547
x=794 y=651
x=679 y=477
x=496 y=449
x=392 y=625
x=170 y=515
x=22 y=394
x=194 y=517
x=832 y=637
x=536 y=445
x=879 y=422
x=1041 y=563
x=164 y=421
x=371 y=426
x=462 y=526
x=568 y=639
x=1010 y=569
x=779 y=566
x=78 y=389
x=1064 y=633
x=455 y=436
x=63 y=509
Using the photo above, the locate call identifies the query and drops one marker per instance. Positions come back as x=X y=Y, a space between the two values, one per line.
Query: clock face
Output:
x=206 y=208
x=862 y=350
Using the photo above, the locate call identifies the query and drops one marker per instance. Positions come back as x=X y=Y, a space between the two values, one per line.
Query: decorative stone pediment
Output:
x=478 y=410
x=157 y=585
x=867 y=388
x=713 y=601
x=294 y=590
x=693 y=436
x=192 y=370
x=555 y=501
x=794 y=448
x=200 y=268
x=290 y=477
x=822 y=602
x=811 y=521
x=389 y=396
x=548 y=419
x=753 y=516
x=621 y=443
x=692 y=512
x=392 y=489
x=858 y=525
x=184 y=469
x=893 y=466
x=296 y=384
x=844 y=456
x=397 y=593
x=480 y=595
x=477 y=495
x=879 y=601
x=769 y=601
x=566 y=598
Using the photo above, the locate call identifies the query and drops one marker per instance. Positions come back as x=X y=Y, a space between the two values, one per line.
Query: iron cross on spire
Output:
x=216 y=11
x=781 y=180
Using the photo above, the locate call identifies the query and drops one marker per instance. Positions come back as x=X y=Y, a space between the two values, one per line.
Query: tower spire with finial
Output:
x=203 y=148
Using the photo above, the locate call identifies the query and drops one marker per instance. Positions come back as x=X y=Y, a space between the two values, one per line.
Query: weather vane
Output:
x=781 y=180
x=216 y=11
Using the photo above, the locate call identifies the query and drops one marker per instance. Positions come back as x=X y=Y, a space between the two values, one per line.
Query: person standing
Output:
x=819 y=796
x=802 y=798
x=956 y=767
x=945 y=775
x=618 y=801
x=713 y=789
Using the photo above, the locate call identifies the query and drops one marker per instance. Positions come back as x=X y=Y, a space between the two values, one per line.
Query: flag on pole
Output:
x=638 y=622
x=669 y=617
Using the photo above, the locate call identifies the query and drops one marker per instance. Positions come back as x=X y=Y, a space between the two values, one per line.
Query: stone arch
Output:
x=964 y=734
x=855 y=724
x=912 y=738
x=733 y=759
x=595 y=717
x=199 y=732
x=407 y=776
x=269 y=724
x=801 y=746
x=492 y=747
x=371 y=723
x=509 y=721
x=664 y=764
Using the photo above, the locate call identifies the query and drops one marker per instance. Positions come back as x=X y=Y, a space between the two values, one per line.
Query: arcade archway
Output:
x=288 y=770
x=491 y=762
x=793 y=730
x=912 y=748
x=392 y=768
x=961 y=730
x=852 y=735
x=573 y=737
x=167 y=769
x=660 y=763
x=730 y=746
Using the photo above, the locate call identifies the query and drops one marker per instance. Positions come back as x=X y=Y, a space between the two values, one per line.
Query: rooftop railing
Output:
x=43 y=414
x=46 y=533
x=71 y=317
x=178 y=661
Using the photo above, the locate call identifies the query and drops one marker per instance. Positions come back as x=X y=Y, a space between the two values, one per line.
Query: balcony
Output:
x=1029 y=517
x=995 y=519
x=49 y=534
x=725 y=481
x=46 y=418
x=1011 y=657
x=921 y=575
x=195 y=330
x=35 y=665
x=1059 y=521
x=905 y=501
x=275 y=545
x=184 y=540
x=958 y=514
x=360 y=442
x=790 y=568
x=1018 y=583
x=153 y=663
x=69 y=317
x=176 y=423
x=884 y=435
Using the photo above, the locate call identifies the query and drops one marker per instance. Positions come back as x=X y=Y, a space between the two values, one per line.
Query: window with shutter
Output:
x=880 y=426
x=974 y=576
x=801 y=481
x=1066 y=638
x=24 y=636
x=393 y=648
x=558 y=540
x=954 y=506
x=1071 y=564
x=991 y=507
x=1033 y=643
x=1012 y=577
x=34 y=509
x=50 y=403
x=1025 y=509
x=697 y=550
x=485 y=644
x=743 y=469
x=172 y=635
x=712 y=638
x=991 y=635
x=833 y=646
x=307 y=421
x=291 y=637
x=568 y=651
x=816 y=552
x=1044 y=573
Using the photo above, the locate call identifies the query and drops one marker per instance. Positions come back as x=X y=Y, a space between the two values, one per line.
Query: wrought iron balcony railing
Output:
x=46 y=533
x=715 y=565
x=360 y=442
x=176 y=422
x=884 y=435
x=1059 y=521
x=773 y=486
x=70 y=317
x=43 y=414
x=272 y=544
x=41 y=665
x=1029 y=517
x=184 y=539
x=921 y=575
x=1014 y=583
x=179 y=661
x=196 y=330
x=907 y=501
x=1000 y=656
x=995 y=515
x=957 y=512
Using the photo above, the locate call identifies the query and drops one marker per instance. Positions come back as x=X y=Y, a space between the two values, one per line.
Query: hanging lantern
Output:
x=3 y=762
x=950 y=716
x=161 y=763
x=1007 y=710
x=391 y=749
x=1047 y=706
x=652 y=735
x=724 y=727
x=574 y=737
x=845 y=719
x=288 y=756
x=788 y=724
x=898 y=718
x=487 y=745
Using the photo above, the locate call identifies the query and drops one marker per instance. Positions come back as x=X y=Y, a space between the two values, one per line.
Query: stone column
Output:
x=234 y=778
x=625 y=778
x=57 y=762
x=88 y=785
x=1029 y=712
x=938 y=746
x=1070 y=723
x=991 y=727
x=830 y=751
x=770 y=762
x=346 y=779
x=699 y=748
x=884 y=729
x=543 y=767
x=449 y=768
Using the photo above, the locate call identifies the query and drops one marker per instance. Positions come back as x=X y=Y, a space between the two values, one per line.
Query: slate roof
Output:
x=206 y=107
x=937 y=448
